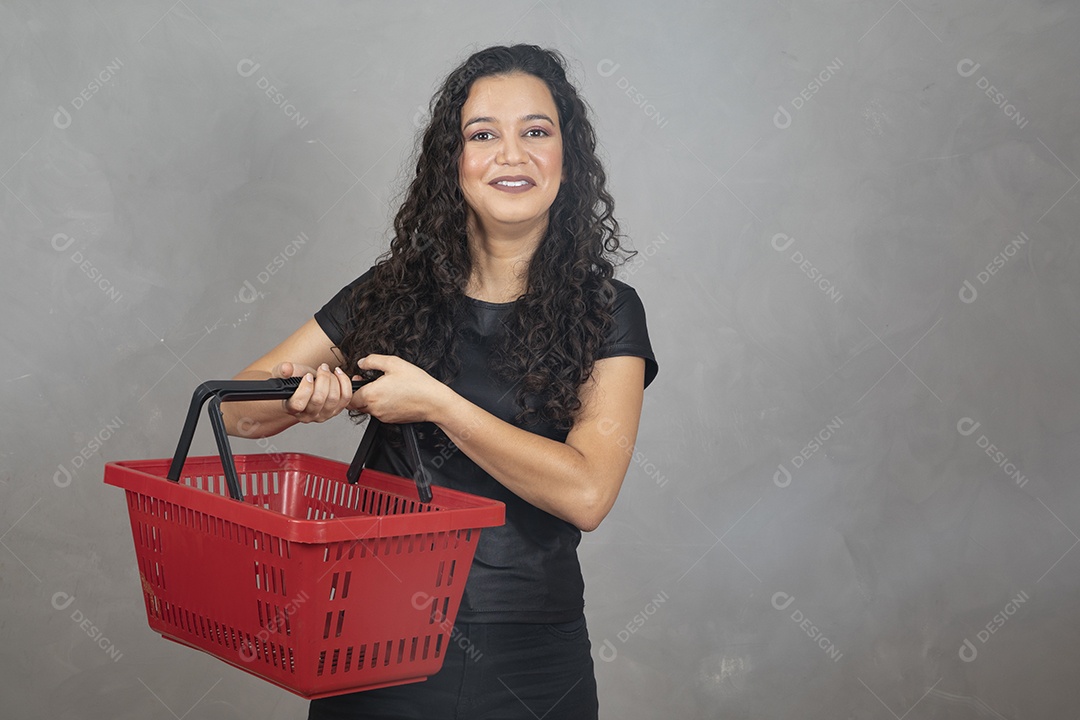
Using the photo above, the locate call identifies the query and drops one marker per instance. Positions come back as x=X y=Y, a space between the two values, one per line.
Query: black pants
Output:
x=491 y=671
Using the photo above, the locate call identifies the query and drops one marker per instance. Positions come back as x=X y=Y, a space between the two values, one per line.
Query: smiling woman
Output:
x=501 y=333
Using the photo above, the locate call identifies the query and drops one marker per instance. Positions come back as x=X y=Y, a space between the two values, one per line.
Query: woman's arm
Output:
x=577 y=481
x=325 y=391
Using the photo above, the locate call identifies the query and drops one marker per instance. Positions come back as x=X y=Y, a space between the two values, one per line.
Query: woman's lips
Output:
x=513 y=185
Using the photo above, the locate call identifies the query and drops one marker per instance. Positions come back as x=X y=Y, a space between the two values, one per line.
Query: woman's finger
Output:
x=290 y=369
x=321 y=390
x=333 y=393
x=344 y=389
x=375 y=362
x=297 y=403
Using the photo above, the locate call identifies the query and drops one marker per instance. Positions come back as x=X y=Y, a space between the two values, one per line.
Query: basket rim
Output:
x=457 y=510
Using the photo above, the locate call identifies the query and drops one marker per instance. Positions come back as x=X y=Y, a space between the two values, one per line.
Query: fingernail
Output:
x=324 y=366
x=338 y=371
x=309 y=378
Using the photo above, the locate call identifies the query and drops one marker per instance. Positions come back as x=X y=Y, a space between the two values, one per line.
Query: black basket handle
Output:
x=218 y=391
x=412 y=456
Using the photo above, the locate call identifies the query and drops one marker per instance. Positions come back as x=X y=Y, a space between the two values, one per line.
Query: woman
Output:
x=498 y=329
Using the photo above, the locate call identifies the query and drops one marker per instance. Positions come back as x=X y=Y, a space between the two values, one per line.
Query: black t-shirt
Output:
x=526 y=570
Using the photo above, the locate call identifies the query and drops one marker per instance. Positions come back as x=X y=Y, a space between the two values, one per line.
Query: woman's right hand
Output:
x=321 y=395
x=307 y=353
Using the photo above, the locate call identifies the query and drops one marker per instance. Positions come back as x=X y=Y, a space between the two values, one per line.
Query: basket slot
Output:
x=269 y=578
x=348 y=579
x=274 y=618
x=153 y=605
x=152 y=572
x=148 y=537
x=436 y=615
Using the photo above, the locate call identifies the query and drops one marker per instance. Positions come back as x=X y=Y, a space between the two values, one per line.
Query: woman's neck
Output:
x=500 y=263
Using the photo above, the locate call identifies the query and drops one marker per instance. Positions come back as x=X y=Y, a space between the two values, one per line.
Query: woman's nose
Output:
x=510 y=152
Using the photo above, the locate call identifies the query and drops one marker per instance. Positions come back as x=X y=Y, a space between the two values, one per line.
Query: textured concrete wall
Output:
x=854 y=490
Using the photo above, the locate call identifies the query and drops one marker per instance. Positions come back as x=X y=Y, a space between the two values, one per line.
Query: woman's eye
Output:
x=477 y=136
x=541 y=132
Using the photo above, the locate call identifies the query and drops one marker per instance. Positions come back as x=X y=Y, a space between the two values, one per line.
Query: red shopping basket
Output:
x=319 y=577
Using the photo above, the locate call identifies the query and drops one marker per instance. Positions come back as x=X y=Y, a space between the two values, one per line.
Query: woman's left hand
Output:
x=404 y=393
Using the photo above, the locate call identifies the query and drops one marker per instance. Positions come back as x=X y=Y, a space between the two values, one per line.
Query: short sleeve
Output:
x=333 y=317
x=629 y=334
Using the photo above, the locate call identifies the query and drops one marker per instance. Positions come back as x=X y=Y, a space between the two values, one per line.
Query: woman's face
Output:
x=511 y=162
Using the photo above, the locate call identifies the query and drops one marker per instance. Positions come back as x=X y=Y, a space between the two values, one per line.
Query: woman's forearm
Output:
x=551 y=475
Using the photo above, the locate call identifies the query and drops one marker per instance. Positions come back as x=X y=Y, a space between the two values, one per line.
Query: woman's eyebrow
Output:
x=533 y=116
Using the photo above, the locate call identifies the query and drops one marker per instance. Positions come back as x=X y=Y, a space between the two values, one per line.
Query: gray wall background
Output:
x=854 y=489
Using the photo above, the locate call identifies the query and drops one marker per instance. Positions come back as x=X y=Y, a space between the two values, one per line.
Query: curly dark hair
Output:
x=416 y=297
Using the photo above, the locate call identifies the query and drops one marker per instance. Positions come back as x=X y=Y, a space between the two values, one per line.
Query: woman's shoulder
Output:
x=365 y=277
x=334 y=316
x=626 y=301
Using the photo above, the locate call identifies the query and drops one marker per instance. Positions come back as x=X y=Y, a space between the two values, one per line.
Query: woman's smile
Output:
x=514 y=184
